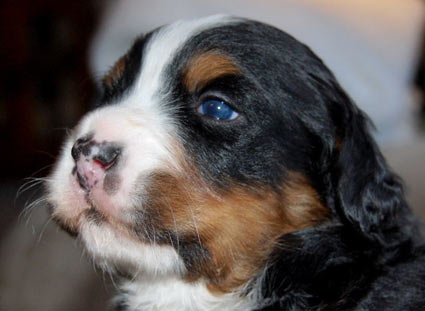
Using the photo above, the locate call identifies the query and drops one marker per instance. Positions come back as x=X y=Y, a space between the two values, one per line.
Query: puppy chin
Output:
x=116 y=251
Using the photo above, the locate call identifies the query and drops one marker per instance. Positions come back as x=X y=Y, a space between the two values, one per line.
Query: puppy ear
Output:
x=369 y=196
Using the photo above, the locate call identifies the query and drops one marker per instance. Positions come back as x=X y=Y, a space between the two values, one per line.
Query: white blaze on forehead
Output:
x=163 y=47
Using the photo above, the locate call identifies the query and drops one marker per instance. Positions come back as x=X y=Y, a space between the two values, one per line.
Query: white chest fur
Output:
x=173 y=294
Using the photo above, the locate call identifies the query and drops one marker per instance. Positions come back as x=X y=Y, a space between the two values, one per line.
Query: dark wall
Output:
x=44 y=81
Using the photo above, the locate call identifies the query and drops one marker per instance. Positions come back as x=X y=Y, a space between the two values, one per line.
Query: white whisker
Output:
x=43 y=230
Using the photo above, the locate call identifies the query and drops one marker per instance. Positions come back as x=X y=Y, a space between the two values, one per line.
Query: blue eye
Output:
x=217 y=109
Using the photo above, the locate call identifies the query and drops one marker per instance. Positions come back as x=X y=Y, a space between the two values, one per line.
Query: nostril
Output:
x=75 y=152
x=107 y=156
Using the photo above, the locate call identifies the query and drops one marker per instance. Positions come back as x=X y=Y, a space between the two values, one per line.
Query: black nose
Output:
x=105 y=154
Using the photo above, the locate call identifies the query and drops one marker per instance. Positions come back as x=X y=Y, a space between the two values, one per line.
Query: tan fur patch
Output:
x=238 y=227
x=206 y=67
x=115 y=73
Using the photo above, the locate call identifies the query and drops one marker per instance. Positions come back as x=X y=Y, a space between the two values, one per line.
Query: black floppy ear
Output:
x=369 y=196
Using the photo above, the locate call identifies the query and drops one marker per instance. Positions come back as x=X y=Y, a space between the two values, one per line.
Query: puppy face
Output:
x=208 y=145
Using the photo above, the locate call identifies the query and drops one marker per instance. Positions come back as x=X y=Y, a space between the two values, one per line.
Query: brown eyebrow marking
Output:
x=206 y=67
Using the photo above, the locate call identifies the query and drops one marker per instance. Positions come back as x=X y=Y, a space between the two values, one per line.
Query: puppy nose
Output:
x=92 y=160
x=105 y=154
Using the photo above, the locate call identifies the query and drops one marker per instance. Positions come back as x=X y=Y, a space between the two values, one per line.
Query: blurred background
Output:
x=52 y=53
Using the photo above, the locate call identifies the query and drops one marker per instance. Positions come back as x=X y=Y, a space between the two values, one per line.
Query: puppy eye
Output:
x=217 y=109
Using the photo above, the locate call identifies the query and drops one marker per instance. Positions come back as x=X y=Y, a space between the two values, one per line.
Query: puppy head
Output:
x=214 y=138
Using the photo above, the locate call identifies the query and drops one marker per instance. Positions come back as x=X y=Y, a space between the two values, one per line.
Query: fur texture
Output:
x=288 y=206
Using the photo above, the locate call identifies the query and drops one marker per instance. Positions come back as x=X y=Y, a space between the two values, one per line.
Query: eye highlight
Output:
x=217 y=109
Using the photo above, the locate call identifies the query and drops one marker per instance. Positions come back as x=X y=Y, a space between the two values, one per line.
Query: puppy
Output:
x=224 y=168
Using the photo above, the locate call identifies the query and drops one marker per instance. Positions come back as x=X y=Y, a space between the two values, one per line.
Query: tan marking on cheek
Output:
x=115 y=73
x=302 y=203
x=239 y=227
x=206 y=67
